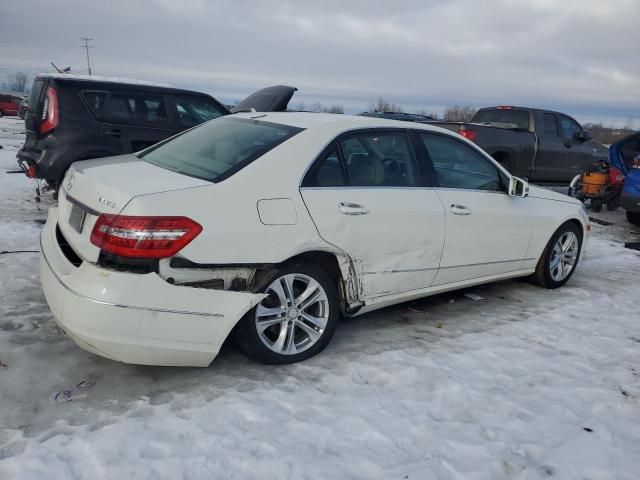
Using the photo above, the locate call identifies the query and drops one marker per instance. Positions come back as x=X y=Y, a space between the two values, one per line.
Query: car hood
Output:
x=546 y=194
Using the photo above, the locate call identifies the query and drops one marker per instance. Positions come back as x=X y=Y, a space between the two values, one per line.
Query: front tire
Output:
x=295 y=321
x=560 y=257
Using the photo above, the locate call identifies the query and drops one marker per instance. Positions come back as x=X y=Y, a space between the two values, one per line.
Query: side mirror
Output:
x=518 y=187
x=582 y=136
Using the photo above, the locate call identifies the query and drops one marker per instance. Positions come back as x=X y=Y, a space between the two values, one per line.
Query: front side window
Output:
x=375 y=159
x=550 y=125
x=458 y=166
x=193 y=111
x=218 y=149
x=569 y=127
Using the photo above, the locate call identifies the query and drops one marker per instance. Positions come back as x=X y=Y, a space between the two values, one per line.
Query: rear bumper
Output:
x=136 y=318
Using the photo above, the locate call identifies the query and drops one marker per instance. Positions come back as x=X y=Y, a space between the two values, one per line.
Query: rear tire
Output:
x=1 y=114
x=301 y=314
x=633 y=217
x=560 y=257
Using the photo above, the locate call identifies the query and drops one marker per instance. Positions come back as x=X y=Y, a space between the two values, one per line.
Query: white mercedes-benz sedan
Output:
x=270 y=227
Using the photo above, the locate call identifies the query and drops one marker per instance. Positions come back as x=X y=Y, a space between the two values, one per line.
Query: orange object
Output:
x=593 y=183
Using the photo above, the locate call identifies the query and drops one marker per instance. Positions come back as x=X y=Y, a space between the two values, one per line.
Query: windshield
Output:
x=518 y=117
x=218 y=149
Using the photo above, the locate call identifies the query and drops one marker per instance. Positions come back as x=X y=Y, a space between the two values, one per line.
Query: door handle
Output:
x=458 y=209
x=113 y=133
x=348 y=208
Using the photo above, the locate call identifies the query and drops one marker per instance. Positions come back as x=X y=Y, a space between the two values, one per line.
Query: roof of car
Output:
x=99 y=78
x=309 y=119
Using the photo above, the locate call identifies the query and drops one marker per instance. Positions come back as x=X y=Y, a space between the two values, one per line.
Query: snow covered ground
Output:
x=525 y=384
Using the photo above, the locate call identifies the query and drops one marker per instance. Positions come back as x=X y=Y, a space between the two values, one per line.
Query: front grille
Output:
x=67 y=251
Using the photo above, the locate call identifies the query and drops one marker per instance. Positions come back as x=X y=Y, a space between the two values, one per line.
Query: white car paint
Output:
x=408 y=244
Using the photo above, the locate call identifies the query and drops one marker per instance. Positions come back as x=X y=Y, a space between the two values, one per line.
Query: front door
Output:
x=578 y=155
x=367 y=196
x=549 y=163
x=488 y=232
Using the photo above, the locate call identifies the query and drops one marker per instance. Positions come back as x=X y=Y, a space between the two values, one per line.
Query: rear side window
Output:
x=218 y=149
x=379 y=159
x=550 y=125
x=518 y=117
x=458 y=166
x=193 y=111
x=328 y=172
x=128 y=108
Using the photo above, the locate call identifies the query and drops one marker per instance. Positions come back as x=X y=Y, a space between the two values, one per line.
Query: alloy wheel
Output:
x=563 y=256
x=294 y=315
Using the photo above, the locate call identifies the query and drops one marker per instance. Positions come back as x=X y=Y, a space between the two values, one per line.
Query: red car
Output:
x=9 y=105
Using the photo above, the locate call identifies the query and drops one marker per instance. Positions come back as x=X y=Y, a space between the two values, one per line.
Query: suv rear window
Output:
x=518 y=117
x=218 y=149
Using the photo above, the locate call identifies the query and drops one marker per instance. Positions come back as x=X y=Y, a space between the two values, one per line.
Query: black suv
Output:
x=73 y=118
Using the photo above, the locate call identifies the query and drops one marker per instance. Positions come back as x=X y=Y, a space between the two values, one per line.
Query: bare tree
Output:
x=17 y=82
x=322 y=108
x=628 y=125
x=427 y=113
x=459 y=113
x=384 y=106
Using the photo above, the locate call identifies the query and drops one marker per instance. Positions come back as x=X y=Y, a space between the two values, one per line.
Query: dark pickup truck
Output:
x=540 y=145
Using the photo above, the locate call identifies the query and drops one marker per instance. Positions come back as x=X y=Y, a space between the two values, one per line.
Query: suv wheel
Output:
x=295 y=321
x=560 y=257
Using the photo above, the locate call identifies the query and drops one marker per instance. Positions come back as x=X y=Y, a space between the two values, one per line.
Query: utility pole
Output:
x=86 y=47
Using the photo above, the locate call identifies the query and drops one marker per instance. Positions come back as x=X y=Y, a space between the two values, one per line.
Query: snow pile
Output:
x=526 y=383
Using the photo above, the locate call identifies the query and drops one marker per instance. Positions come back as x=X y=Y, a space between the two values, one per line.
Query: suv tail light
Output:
x=143 y=237
x=467 y=133
x=49 y=111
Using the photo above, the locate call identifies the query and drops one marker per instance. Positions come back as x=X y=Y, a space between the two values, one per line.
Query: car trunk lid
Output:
x=93 y=187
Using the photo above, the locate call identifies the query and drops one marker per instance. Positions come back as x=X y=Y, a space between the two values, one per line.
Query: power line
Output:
x=86 y=48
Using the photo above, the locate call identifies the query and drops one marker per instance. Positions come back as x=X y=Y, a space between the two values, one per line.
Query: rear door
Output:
x=549 y=162
x=488 y=231
x=135 y=121
x=367 y=195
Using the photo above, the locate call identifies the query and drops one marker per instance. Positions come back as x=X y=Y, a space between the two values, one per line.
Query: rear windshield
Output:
x=218 y=149
x=36 y=91
x=518 y=117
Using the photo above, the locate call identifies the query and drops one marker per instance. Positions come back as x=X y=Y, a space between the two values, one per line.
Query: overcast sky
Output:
x=578 y=56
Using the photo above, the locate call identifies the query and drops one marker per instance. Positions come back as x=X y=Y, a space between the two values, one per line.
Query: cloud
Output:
x=574 y=55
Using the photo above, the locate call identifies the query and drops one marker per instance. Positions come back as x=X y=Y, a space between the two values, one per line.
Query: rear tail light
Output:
x=143 y=237
x=31 y=171
x=467 y=133
x=49 y=111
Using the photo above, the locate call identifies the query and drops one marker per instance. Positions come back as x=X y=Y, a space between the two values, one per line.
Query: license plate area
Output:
x=76 y=217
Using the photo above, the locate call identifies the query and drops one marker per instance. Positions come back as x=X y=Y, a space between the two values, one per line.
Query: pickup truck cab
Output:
x=540 y=145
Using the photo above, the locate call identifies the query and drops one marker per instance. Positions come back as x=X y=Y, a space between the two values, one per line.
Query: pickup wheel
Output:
x=1 y=113
x=504 y=160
